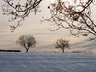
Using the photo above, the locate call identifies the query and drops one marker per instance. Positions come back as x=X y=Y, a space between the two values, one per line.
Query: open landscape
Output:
x=46 y=41
x=47 y=36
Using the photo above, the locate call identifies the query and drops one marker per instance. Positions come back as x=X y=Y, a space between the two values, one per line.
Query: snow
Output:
x=47 y=62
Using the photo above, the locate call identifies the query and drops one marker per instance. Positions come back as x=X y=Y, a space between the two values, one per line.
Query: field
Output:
x=47 y=62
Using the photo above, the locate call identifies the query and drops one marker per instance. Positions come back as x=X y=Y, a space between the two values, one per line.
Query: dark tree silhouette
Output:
x=19 y=9
x=75 y=16
x=62 y=44
x=26 y=41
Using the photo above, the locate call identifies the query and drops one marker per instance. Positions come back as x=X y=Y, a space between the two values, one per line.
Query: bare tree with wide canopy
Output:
x=26 y=41
x=74 y=15
x=62 y=44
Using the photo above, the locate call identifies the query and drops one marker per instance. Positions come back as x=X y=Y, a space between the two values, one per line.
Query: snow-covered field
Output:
x=47 y=62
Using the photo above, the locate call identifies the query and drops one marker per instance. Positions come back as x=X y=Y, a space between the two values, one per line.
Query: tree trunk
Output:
x=27 y=50
x=62 y=50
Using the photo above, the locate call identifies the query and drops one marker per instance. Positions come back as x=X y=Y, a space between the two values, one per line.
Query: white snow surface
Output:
x=47 y=62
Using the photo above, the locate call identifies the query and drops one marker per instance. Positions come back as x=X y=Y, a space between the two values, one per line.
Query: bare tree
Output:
x=26 y=41
x=75 y=16
x=62 y=44
x=19 y=9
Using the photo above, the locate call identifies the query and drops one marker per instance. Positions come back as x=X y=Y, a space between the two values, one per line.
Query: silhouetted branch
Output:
x=19 y=9
x=75 y=17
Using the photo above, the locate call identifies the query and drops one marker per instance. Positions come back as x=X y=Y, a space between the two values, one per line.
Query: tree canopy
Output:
x=62 y=44
x=19 y=9
x=26 y=41
x=74 y=15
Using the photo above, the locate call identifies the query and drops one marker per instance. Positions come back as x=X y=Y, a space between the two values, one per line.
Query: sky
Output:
x=32 y=25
